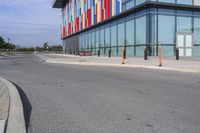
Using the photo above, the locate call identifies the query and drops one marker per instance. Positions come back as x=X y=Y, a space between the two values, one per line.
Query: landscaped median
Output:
x=11 y=109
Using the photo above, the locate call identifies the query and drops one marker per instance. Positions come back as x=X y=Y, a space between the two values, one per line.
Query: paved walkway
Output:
x=191 y=64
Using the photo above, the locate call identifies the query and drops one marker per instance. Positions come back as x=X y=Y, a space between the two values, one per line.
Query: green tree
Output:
x=2 y=43
x=45 y=45
x=39 y=49
x=9 y=46
x=55 y=48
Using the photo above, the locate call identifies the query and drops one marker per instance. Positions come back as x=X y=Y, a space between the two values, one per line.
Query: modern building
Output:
x=110 y=25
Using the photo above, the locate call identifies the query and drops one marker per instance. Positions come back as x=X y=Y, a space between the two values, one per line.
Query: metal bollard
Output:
x=109 y=53
x=145 y=54
x=160 y=55
x=156 y=50
x=98 y=52
x=177 y=54
x=125 y=53
x=122 y=55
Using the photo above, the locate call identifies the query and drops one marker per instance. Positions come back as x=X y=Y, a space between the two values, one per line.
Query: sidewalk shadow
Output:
x=27 y=108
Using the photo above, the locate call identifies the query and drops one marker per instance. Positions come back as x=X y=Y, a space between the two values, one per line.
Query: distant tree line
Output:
x=6 y=46
x=46 y=47
x=25 y=49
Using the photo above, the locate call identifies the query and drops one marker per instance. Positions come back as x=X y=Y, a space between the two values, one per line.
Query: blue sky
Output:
x=30 y=22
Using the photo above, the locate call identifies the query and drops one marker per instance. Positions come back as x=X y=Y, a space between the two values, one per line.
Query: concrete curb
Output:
x=2 y=126
x=15 y=121
x=117 y=65
x=4 y=106
x=123 y=65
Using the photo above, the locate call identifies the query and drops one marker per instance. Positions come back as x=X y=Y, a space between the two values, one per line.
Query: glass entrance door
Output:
x=184 y=43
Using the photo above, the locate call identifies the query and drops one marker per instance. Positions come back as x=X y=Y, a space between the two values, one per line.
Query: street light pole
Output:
x=8 y=40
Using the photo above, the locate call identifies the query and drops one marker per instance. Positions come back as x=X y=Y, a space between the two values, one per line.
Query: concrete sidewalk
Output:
x=11 y=109
x=191 y=64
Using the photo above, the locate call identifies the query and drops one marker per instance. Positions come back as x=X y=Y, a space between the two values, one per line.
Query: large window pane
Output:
x=88 y=40
x=140 y=50
x=102 y=38
x=80 y=42
x=196 y=50
x=114 y=51
x=137 y=2
x=167 y=1
x=187 y=2
x=121 y=34
x=93 y=40
x=130 y=32
x=107 y=37
x=97 y=37
x=128 y=4
x=168 y=50
x=184 y=12
x=184 y=24
x=197 y=30
x=153 y=28
x=84 y=41
x=93 y=43
x=166 y=29
x=166 y=11
x=114 y=35
x=141 y=30
x=130 y=51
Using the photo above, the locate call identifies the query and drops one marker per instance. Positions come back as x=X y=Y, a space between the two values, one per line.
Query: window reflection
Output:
x=187 y=2
x=166 y=29
x=141 y=30
x=184 y=24
x=197 y=30
x=130 y=32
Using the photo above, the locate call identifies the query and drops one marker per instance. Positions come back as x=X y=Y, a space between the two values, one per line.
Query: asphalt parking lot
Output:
x=90 y=99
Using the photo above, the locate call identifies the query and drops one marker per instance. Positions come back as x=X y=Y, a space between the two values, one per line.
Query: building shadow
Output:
x=27 y=108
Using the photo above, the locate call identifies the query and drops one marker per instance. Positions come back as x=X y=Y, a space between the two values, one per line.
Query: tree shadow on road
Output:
x=27 y=108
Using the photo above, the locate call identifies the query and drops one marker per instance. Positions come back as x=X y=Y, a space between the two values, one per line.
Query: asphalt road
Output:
x=83 y=99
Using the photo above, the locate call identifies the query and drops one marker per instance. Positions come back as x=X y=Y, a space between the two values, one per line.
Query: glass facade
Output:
x=127 y=32
x=144 y=29
x=109 y=25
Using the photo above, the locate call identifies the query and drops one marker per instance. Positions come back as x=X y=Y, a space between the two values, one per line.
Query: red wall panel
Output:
x=89 y=17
